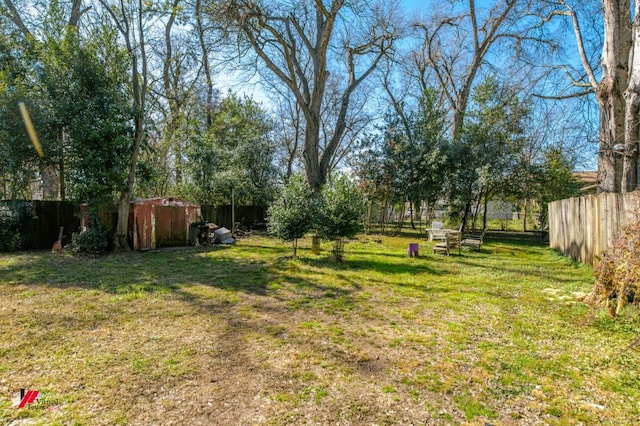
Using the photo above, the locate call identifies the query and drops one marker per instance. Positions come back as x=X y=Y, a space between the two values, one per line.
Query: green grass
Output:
x=245 y=334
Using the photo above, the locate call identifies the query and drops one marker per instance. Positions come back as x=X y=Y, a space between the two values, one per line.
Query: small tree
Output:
x=234 y=151
x=293 y=213
x=340 y=216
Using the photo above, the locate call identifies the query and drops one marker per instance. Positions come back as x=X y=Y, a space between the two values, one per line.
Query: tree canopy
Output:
x=133 y=99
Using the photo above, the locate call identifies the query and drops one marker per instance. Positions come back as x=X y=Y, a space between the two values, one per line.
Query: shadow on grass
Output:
x=251 y=269
x=411 y=266
x=543 y=269
x=150 y=272
x=254 y=267
x=527 y=239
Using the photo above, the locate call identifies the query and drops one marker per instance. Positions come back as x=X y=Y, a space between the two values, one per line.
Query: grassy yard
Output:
x=246 y=335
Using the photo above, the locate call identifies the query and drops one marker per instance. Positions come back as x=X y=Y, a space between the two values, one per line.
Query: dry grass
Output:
x=247 y=335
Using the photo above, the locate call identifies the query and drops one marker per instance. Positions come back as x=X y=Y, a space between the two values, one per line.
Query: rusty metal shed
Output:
x=161 y=222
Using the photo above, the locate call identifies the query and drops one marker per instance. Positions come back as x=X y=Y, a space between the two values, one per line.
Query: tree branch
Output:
x=15 y=17
x=580 y=43
x=562 y=97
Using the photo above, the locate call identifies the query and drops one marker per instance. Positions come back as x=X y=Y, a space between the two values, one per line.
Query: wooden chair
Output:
x=451 y=242
x=436 y=232
x=474 y=242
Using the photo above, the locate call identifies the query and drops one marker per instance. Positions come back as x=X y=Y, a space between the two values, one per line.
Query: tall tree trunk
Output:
x=315 y=175
x=50 y=182
x=610 y=91
x=205 y=63
x=173 y=94
x=484 y=213
x=632 y=119
x=139 y=83
x=121 y=241
x=606 y=157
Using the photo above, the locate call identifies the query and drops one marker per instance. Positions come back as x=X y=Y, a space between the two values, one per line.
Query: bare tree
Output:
x=173 y=90
x=290 y=131
x=455 y=46
x=356 y=120
x=11 y=11
x=302 y=43
x=202 y=30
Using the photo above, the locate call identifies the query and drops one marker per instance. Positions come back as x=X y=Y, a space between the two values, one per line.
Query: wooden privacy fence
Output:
x=583 y=228
x=248 y=216
x=45 y=220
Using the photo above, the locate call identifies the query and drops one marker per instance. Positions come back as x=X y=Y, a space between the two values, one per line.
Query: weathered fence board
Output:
x=583 y=228
x=248 y=216
x=48 y=216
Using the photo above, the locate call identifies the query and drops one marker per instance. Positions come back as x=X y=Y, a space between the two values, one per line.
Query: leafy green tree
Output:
x=368 y=167
x=24 y=33
x=86 y=84
x=235 y=152
x=74 y=85
x=377 y=173
x=294 y=212
x=420 y=154
x=340 y=215
x=19 y=164
x=484 y=159
x=404 y=163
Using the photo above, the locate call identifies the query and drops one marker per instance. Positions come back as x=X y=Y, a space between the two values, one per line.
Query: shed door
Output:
x=171 y=227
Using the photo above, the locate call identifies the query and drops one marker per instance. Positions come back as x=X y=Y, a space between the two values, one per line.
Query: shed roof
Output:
x=164 y=201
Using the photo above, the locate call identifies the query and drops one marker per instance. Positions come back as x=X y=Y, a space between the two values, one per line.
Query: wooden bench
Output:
x=473 y=241
x=451 y=242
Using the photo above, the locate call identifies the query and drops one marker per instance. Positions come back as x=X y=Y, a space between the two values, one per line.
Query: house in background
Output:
x=588 y=182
